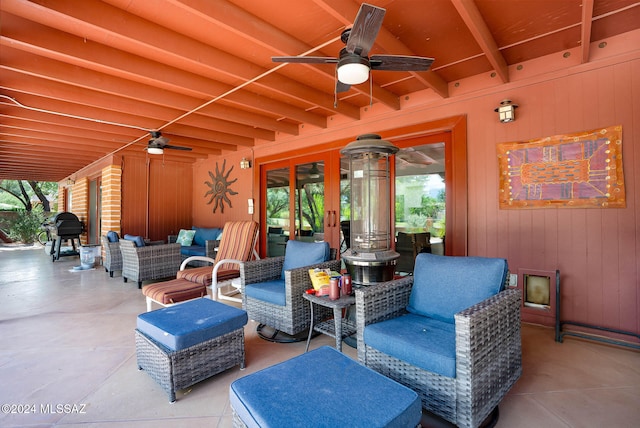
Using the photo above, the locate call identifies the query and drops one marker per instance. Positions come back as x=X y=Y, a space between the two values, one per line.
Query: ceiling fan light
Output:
x=353 y=73
x=155 y=151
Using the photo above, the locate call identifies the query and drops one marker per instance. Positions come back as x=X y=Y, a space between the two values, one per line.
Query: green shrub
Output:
x=25 y=227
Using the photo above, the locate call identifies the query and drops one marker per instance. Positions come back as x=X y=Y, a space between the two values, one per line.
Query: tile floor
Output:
x=67 y=339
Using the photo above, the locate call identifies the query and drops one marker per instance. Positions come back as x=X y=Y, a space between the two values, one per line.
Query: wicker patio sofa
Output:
x=149 y=262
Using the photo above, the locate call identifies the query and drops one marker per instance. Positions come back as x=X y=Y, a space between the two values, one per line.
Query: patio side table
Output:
x=338 y=327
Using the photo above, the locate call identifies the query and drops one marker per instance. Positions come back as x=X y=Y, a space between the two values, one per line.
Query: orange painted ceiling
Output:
x=201 y=71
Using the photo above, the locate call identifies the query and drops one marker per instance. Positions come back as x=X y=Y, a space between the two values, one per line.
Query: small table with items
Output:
x=338 y=327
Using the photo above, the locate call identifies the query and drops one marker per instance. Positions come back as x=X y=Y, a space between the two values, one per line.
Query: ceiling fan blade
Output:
x=305 y=59
x=342 y=87
x=177 y=147
x=365 y=29
x=400 y=63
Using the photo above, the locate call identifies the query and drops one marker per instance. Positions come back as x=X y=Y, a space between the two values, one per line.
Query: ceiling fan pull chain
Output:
x=335 y=88
x=370 y=90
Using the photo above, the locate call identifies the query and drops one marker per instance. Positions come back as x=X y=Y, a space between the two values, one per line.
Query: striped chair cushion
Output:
x=174 y=291
x=202 y=275
x=237 y=242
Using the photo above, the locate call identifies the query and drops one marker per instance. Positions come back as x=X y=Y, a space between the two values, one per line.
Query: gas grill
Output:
x=65 y=226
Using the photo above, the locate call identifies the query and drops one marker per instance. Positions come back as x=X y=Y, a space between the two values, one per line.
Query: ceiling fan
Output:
x=353 y=64
x=158 y=143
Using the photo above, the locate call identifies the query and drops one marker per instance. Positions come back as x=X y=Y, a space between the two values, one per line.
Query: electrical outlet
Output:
x=513 y=280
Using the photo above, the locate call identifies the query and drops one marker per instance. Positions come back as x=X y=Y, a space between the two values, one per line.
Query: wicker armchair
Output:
x=263 y=282
x=149 y=262
x=112 y=256
x=479 y=345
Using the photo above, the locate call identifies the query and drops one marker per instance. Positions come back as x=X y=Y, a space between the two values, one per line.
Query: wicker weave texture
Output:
x=150 y=262
x=176 y=370
x=237 y=422
x=488 y=352
x=112 y=255
x=295 y=316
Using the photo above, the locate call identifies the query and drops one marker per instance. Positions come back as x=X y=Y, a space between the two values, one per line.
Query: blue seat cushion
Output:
x=187 y=324
x=268 y=291
x=138 y=240
x=205 y=234
x=299 y=254
x=112 y=236
x=323 y=388
x=420 y=341
x=445 y=285
x=193 y=250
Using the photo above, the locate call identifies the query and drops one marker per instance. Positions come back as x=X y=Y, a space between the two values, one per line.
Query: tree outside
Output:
x=30 y=202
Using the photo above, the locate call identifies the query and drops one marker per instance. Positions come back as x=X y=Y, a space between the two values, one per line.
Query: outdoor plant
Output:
x=26 y=225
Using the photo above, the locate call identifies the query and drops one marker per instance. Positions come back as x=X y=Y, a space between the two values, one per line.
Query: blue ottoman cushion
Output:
x=190 y=323
x=323 y=388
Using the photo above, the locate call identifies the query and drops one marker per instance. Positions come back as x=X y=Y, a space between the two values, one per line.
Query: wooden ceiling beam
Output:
x=45 y=68
x=114 y=27
x=126 y=66
x=481 y=33
x=84 y=98
x=585 y=29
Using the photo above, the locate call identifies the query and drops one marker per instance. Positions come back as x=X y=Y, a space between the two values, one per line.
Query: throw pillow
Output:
x=185 y=237
x=112 y=236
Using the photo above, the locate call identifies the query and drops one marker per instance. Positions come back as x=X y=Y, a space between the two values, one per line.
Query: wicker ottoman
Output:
x=183 y=344
x=322 y=388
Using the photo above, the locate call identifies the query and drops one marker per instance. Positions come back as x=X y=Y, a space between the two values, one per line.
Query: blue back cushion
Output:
x=136 y=240
x=112 y=236
x=444 y=285
x=205 y=234
x=299 y=254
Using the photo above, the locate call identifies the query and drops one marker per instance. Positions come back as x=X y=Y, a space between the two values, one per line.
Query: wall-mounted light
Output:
x=245 y=164
x=506 y=111
x=70 y=181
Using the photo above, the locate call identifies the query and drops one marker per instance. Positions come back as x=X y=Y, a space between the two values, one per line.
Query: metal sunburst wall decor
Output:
x=219 y=187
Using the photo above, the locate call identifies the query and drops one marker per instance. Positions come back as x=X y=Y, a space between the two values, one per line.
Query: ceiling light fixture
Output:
x=155 y=150
x=314 y=172
x=353 y=69
x=506 y=111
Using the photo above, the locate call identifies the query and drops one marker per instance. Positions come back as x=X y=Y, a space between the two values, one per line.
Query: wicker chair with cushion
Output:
x=112 y=254
x=142 y=263
x=236 y=246
x=450 y=332
x=272 y=289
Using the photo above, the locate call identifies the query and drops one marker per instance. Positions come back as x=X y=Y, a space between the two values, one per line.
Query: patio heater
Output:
x=370 y=258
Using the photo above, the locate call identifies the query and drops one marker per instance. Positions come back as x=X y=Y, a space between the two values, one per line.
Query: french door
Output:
x=299 y=201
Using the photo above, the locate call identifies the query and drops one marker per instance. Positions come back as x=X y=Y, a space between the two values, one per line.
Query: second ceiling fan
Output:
x=353 y=63
x=158 y=143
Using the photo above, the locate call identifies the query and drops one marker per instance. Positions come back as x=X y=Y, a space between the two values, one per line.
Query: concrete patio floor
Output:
x=67 y=339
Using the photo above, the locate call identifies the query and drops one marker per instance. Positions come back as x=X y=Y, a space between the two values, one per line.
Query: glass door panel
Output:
x=310 y=201
x=277 y=210
x=420 y=202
